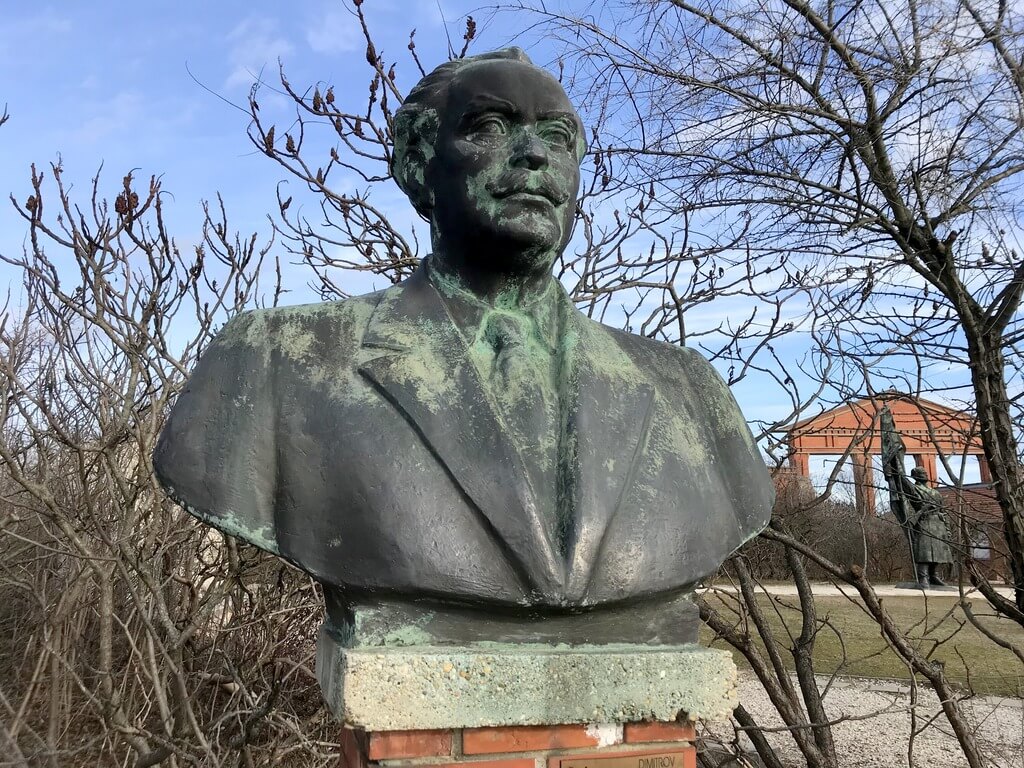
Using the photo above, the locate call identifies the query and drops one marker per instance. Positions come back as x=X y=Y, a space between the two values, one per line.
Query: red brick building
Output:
x=976 y=510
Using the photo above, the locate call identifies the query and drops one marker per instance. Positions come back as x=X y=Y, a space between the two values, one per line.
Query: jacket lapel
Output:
x=608 y=406
x=415 y=356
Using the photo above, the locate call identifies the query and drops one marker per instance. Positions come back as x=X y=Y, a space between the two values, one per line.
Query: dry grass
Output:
x=849 y=643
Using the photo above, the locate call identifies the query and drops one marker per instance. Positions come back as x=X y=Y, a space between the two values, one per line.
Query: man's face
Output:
x=506 y=171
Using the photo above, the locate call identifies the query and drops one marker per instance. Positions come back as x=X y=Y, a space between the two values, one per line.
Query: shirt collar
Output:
x=468 y=311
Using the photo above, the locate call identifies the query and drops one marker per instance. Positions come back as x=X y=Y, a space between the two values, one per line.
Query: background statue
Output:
x=465 y=450
x=917 y=507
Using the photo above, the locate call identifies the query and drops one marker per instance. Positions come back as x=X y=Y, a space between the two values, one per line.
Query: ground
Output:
x=851 y=644
x=871 y=698
x=876 y=726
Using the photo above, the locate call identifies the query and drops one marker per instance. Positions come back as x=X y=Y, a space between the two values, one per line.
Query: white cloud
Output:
x=334 y=30
x=129 y=118
x=49 y=22
x=255 y=44
x=435 y=13
x=20 y=38
x=121 y=112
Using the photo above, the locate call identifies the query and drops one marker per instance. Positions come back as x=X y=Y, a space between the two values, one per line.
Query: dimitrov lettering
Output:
x=659 y=761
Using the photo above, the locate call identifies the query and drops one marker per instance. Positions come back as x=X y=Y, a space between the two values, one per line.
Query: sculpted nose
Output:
x=530 y=153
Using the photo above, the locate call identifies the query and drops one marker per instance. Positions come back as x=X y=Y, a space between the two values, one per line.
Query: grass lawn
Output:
x=851 y=643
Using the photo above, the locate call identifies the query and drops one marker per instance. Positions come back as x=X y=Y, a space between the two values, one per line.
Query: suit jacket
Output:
x=357 y=440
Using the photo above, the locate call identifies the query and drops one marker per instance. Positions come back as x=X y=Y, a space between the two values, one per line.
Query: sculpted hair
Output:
x=416 y=123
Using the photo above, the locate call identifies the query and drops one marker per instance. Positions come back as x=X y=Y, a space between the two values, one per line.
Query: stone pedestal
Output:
x=489 y=705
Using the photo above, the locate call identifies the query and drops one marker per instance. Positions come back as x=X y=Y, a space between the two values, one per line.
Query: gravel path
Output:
x=881 y=741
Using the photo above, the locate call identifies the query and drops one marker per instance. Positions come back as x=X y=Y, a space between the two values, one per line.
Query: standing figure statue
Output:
x=918 y=507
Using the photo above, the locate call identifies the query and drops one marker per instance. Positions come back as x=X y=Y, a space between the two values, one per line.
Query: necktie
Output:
x=507 y=334
x=523 y=382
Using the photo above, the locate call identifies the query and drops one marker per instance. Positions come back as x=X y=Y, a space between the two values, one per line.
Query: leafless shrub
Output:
x=131 y=634
x=134 y=635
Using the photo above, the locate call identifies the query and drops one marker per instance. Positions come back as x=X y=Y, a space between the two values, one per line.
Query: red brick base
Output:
x=516 y=746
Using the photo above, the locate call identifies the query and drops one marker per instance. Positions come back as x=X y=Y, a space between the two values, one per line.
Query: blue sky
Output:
x=105 y=83
x=151 y=88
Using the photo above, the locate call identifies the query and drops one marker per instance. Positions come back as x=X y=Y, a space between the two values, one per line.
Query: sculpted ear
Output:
x=415 y=133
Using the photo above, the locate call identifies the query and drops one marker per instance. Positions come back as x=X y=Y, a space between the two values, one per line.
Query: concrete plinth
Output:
x=443 y=687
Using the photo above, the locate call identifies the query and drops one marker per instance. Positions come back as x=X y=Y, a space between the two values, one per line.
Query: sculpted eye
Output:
x=559 y=135
x=490 y=125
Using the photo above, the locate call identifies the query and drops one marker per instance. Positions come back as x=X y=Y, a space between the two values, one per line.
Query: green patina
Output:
x=427 y=375
x=231 y=524
x=297 y=333
x=476 y=190
x=540 y=354
x=262 y=537
x=409 y=635
x=372 y=629
x=425 y=370
x=415 y=137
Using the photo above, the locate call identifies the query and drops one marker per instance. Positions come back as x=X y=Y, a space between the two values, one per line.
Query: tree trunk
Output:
x=988 y=376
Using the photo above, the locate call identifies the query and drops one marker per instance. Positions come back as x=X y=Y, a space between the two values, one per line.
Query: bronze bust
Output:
x=466 y=444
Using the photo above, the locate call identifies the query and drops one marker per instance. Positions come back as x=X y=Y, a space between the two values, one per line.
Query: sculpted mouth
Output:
x=526 y=194
x=516 y=189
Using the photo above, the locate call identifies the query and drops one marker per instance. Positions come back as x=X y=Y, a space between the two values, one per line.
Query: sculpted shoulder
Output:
x=670 y=359
x=680 y=371
x=701 y=439
x=303 y=333
x=217 y=451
